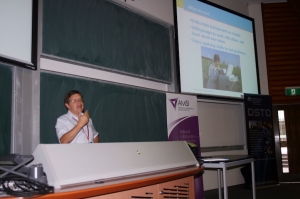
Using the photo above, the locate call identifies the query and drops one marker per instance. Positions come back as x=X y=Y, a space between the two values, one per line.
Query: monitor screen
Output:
x=216 y=50
x=18 y=38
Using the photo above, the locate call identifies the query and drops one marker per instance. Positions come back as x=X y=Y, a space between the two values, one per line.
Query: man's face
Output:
x=75 y=104
x=217 y=63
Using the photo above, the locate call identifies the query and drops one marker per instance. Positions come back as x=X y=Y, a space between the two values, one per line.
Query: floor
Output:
x=280 y=191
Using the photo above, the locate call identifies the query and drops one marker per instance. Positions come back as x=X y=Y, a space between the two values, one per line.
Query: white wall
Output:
x=255 y=13
x=222 y=125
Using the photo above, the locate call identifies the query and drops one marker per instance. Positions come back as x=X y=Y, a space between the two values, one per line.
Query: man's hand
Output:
x=83 y=119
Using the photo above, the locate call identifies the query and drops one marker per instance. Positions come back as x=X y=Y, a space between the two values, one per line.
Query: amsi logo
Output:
x=183 y=103
x=176 y=102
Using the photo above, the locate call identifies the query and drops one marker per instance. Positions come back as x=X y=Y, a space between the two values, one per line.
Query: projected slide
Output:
x=216 y=50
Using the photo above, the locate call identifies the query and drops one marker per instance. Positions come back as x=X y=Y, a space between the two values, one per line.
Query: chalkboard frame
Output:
x=167 y=73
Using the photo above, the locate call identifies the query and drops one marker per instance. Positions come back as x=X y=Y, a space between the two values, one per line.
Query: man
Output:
x=75 y=126
x=213 y=73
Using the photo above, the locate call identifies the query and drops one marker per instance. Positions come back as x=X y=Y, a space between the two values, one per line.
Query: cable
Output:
x=24 y=187
x=16 y=183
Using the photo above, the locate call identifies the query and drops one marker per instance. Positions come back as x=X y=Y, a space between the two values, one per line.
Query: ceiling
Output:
x=262 y=1
x=294 y=3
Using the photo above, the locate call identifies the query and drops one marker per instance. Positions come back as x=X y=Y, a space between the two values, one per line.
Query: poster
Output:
x=182 y=118
x=260 y=138
x=183 y=125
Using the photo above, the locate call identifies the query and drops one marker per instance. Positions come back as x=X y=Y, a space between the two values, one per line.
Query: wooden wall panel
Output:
x=282 y=29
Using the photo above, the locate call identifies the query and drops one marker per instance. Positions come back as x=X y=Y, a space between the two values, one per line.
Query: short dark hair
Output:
x=69 y=94
x=216 y=57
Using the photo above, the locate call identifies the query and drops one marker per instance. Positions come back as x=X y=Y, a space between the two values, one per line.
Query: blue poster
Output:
x=260 y=138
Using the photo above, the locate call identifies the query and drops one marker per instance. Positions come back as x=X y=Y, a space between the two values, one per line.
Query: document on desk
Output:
x=215 y=159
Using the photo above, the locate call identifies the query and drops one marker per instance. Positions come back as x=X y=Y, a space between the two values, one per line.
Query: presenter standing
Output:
x=75 y=126
x=213 y=73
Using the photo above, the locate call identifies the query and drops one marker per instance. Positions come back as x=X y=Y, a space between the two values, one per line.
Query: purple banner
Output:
x=183 y=125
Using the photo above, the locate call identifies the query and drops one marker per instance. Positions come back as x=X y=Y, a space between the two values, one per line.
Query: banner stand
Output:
x=260 y=139
x=183 y=125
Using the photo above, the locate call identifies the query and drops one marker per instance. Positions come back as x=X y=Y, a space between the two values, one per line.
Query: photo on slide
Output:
x=221 y=70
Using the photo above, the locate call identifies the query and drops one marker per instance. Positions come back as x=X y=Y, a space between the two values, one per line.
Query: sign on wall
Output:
x=291 y=91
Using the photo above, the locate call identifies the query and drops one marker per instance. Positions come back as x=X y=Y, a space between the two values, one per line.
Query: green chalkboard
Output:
x=119 y=113
x=104 y=34
x=5 y=108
